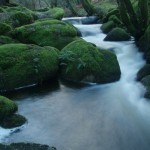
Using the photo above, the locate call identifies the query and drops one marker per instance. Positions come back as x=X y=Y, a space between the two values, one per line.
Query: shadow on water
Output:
x=36 y=90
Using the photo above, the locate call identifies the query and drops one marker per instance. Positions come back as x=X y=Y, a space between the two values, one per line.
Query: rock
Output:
x=13 y=121
x=117 y=34
x=54 y=13
x=80 y=61
x=90 y=20
x=107 y=27
x=47 y=33
x=6 y=40
x=20 y=18
x=26 y=146
x=143 y=72
x=146 y=82
x=4 y=28
x=22 y=65
x=7 y=108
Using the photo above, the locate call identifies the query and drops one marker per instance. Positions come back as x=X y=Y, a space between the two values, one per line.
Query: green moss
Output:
x=109 y=14
x=4 y=28
x=6 y=40
x=17 y=16
x=54 y=13
x=21 y=18
x=23 y=65
x=115 y=19
x=117 y=34
x=107 y=27
x=13 y=121
x=1 y=10
x=7 y=107
x=47 y=33
x=82 y=62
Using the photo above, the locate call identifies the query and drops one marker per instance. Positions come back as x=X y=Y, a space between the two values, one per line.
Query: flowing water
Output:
x=96 y=117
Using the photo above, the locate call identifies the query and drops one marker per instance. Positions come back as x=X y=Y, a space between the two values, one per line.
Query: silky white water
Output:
x=99 y=117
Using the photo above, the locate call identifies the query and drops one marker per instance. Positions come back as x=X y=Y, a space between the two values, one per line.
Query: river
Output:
x=94 y=117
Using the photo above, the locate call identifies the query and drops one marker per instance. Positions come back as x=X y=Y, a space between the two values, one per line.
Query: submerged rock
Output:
x=80 y=61
x=22 y=65
x=47 y=33
x=117 y=34
x=26 y=146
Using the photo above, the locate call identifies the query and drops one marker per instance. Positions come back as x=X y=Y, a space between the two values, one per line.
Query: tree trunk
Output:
x=89 y=8
x=70 y=5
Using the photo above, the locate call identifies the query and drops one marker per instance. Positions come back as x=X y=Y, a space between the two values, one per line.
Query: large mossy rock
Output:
x=107 y=27
x=146 y=82
x=117 y=34
x=26 y=146
x=17 y=16
x=47 y=33
x=7 y=108
x=23 y=65
x=54 y=13
x=4 y=28
x=144 y=71
x=81 y=61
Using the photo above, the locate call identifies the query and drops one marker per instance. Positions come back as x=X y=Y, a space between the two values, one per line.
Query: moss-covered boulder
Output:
x=107 y=27
x=54 y=13
x=81 y=61
x=21 y=18
x=17 y=16
x=13 y=121
x=144 y=71
x=4 y=28
x=22 y=65
x=6 y=40
x=146 y=82
x=47 y=33
x=7 y=108
x=117 y=34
